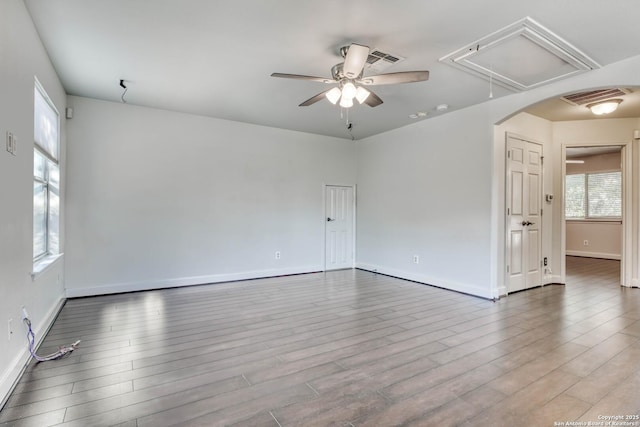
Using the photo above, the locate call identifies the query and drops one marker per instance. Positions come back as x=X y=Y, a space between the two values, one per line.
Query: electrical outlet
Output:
x=10 y=328
x=278 y=255
x=25 y=315
x=585 y=243
x=416 y=259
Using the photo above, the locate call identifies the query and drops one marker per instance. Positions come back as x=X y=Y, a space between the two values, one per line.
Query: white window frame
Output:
x=44 y=258
x=587 y=216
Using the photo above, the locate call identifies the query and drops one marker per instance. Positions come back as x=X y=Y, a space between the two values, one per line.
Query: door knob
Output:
x=329 y=219
x=530 y=223
x=524 y=223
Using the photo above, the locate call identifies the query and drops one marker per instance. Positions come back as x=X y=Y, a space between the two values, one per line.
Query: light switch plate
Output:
x=11 y=143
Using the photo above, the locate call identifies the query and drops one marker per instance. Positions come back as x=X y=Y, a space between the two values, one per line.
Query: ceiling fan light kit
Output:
x=362 y=94
x=348 y=75
x=333 y=95
x=346 y=102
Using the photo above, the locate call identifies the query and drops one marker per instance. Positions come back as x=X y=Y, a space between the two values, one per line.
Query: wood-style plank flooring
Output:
x=345 y=348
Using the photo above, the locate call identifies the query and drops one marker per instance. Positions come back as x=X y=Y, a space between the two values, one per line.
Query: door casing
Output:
x=626 y=260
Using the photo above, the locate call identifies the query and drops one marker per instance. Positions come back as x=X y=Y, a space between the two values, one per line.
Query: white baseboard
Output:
x=14 y=371
x=549 y=279
x=586 y=254
x=502 y=291
x=145 y=285
x=421 y=278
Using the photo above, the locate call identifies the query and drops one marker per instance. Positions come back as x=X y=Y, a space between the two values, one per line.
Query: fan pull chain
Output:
x=123 y=86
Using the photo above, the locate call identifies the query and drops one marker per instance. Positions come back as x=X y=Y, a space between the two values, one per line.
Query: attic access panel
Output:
x=521 y=56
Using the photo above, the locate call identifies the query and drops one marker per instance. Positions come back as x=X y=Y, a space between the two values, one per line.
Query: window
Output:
x=46 y=177
x=593 y=195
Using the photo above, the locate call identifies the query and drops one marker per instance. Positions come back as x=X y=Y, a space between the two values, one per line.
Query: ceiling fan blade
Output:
x=355 y=60
x=373 y=100
x=314 y=99
x=395 y=78
x=301 y=77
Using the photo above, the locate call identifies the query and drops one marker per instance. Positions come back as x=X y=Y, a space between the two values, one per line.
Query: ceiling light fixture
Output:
x=347 y=94
x=604 y=107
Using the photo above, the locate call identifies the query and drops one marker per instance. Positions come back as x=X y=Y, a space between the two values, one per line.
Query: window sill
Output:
x=594 y=220
x=43 y=265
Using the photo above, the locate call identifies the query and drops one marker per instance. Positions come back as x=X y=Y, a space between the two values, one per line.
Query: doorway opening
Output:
x=594 y=209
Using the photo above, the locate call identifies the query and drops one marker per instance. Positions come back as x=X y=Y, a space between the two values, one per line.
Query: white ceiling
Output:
x=214 y=58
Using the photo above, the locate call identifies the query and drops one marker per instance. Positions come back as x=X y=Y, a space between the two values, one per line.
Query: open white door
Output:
x=339 y=231
x=524 y=197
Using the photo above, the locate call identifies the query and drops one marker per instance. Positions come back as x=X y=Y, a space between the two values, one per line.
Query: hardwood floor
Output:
x=345 y=348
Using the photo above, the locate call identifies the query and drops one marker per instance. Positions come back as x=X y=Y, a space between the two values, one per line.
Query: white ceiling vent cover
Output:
x=521 y=56
x=589 y=97
x=379 y=61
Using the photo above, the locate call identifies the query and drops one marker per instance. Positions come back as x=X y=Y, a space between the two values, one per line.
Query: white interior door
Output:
x=524 y=215
x=339 y=232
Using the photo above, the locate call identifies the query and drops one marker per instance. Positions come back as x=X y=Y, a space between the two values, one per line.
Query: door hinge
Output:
x=507 y=268
x=508 y=154
x=542 y=160
x=541 y=210
x=508 y=211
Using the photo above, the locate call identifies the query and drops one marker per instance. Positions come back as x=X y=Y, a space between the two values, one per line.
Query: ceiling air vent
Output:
x=378 y=61
x=521 y=56
x=589 y=97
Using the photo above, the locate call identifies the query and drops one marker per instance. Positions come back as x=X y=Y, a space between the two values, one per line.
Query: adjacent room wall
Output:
x=158 y=198
x=22 y=57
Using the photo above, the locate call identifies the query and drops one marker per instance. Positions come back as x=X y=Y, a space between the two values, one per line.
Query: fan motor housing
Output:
x=338 y=74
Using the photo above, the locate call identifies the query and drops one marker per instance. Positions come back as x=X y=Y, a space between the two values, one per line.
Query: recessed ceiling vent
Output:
x=521 y=56
x=378 y=61
x=589 y=97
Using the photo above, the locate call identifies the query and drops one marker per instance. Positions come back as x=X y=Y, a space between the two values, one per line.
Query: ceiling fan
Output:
x=350 y=80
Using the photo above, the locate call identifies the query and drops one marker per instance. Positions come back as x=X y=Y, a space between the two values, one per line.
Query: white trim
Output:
x=145 y=285
x=466 y=288
x=10 y=377
x=502 y=291
x=43 y=264
x=547 y=279
x=556 y=278
x=602 y=255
